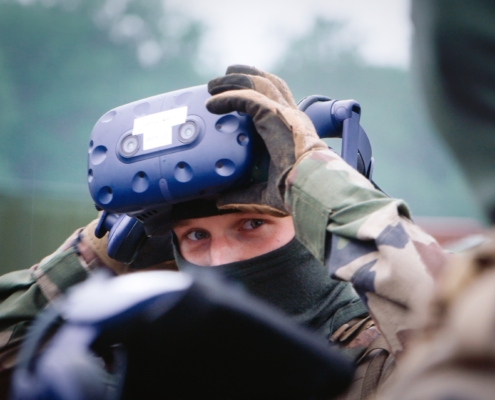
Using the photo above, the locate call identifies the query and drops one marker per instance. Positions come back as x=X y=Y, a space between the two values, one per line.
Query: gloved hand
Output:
x=287 y=132
x=94 y=250
x=155 y=253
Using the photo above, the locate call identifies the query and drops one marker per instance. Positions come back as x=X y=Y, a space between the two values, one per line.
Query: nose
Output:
x=223 y=251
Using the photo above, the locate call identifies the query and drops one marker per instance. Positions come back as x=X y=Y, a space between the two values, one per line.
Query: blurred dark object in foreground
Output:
x=171 y=335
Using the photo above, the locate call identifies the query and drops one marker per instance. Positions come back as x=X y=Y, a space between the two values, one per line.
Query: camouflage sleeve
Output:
x=23 y=294
x=390 y=261
x=454 y=358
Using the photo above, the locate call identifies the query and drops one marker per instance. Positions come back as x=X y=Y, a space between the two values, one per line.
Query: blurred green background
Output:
x=65 y=63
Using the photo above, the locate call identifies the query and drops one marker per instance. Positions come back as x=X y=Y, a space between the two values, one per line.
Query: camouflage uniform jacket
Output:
x=23 y=294
x=454 y=356
x=389 y=260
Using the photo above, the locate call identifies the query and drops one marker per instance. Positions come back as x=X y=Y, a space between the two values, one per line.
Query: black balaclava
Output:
x=291 y=279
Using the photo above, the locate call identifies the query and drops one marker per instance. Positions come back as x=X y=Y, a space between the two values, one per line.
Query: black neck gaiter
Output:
x=291 y=279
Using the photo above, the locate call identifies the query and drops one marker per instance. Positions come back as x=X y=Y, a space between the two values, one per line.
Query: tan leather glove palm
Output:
x=287 y=132
x=155 y=254
x=94 y=250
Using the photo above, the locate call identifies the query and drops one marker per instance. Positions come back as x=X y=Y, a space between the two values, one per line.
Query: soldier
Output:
x=274 y=238
x=453 y=50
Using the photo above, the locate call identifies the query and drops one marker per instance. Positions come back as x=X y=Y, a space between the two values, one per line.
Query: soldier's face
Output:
x=232 y=237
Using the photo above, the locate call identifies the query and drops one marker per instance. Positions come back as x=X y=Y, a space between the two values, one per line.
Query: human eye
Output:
x=252 y=224
x=198 y=235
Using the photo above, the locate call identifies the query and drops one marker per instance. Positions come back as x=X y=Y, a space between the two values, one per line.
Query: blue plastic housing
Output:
x=137 y=152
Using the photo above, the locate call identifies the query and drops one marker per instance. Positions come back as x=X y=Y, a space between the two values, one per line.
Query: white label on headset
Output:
x=157 y=128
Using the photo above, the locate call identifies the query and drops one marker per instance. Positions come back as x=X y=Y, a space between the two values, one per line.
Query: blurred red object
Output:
x=452 y=232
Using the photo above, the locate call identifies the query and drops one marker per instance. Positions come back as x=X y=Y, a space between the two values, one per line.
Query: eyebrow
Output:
x=182 y=224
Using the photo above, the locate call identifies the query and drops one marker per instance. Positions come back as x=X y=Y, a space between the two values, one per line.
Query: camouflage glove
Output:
x=94 y=251
x=156 y=253
x=287 y=132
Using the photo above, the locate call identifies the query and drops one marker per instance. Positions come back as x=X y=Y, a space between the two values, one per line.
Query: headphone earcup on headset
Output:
x=125 y=238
